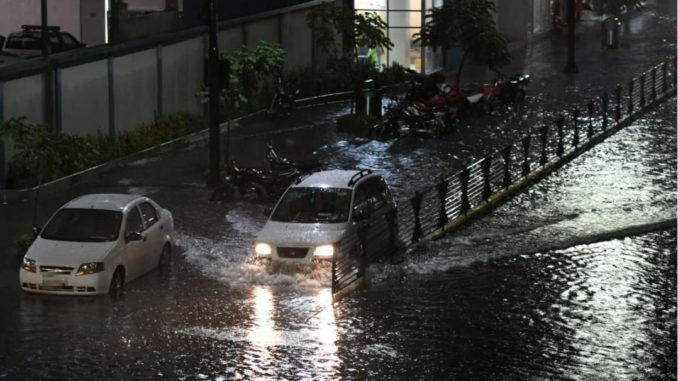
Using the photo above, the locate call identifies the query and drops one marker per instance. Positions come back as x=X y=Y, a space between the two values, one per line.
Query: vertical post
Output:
x=213 y=67
x=335 y=282
x=363 y=232
x=590 y=109
x=560 y=123
x=544 y=155
x=487 y=187
x=642 y=91
x=571 y=66
x=506 y=153
x=665 y=75
x=463 y=180
x=654 y=83
x=159 y=84
x=416 y=205
x=575 y=127
x=617 y=93
x=44 y=37
x=2 y=101
x=630 y=97
x=675 y=77
x=392 y=221
x=606 y=101
x=442 y=195
x=57 y=101
x=526 y=155
x=111 y=98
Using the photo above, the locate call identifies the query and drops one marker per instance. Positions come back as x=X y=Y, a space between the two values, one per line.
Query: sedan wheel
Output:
x=165 y=257
x=117 y=287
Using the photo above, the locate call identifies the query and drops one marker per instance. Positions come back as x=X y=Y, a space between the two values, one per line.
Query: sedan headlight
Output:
x=262 y=249
x=324 y=251
x=90 y=268
x=28 y=265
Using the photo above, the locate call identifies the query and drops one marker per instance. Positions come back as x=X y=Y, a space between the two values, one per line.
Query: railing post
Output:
x=334 y=272
x=526 y=155
x=442 y=195
x=463 y=179
x=675 y=77
x=630 y=97
x=665 y=75
x=416 y=205
x=654 y=83
x=487 y=187
x=606 y=102
x=642 y=91
x=544 y=135
x=392 y=220
x=617 y=114
x=560 y=123
x=575 y=116
x=506 y=153
x=590 y=109
x=363 y=232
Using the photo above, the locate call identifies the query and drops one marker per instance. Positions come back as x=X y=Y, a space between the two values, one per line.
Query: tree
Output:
x=616 y=7
x=467 y=24
x=362 y=29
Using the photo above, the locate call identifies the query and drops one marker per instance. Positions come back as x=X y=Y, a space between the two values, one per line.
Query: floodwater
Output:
x=545 y=287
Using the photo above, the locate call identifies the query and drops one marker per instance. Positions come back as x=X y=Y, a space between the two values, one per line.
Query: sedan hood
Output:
x=66 y=253
x=298 y=234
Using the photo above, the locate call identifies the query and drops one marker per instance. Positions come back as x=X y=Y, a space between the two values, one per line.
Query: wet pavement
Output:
x=493 y=301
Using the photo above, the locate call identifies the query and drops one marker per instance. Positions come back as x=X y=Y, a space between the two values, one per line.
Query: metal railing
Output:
x=485 y=183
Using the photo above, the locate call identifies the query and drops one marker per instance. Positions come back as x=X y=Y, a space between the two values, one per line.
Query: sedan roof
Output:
x=105 y=201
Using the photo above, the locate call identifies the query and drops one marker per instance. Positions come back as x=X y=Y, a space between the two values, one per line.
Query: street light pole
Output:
x=43 y=28
x=213 y=85
x=571 y=66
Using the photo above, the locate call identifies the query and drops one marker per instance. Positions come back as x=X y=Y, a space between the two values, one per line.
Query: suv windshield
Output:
x=313 y=205
x=83 y=225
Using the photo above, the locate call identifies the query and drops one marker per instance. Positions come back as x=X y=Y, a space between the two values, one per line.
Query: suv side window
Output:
x=148 y=213
x=134 y=224
x=361 y=199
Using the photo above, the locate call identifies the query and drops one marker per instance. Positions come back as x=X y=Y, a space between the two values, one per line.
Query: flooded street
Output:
x=531 y=291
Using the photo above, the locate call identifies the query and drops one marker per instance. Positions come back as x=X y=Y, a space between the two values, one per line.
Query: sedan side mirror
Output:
x=268 y=211
x=133 y=236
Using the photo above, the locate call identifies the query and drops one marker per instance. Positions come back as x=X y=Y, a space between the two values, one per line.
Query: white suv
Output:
x=315 y=214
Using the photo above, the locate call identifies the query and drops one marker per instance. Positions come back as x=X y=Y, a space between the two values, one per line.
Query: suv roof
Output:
x=336 y=178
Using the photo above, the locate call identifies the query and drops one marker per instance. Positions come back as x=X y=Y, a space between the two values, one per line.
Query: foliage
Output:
x=616 y=7
x=42 y=154
x=23 y=243
x=467 y=24
x=362 y=29
x=356 y=124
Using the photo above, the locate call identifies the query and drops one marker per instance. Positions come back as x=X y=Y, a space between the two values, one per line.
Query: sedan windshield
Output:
x=308 y=205
x=83 y=225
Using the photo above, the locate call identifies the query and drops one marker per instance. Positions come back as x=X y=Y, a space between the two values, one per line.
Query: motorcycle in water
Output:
x=264 y=185
x=509 y=90
x=280 y=163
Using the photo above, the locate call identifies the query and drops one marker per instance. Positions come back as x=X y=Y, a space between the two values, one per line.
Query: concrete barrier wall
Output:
x=84 y=99
x=135 y=87
x=183 y=65
x=116 y=90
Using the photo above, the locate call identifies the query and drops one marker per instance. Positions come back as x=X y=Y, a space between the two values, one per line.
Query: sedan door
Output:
x=154 y=233
x=134 y=251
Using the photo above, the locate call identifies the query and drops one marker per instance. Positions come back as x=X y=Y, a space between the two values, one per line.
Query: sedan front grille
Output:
x=56 y=270
x=292 y=252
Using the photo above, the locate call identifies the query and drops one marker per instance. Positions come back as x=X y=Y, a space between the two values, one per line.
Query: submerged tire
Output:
x=117 y=287
x=165 y=257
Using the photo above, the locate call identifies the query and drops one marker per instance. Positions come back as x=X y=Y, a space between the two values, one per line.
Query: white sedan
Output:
x=96 y=243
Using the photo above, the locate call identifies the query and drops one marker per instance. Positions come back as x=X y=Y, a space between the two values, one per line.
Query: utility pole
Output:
x=43 y=28
x=213 y=86
x=571 y=66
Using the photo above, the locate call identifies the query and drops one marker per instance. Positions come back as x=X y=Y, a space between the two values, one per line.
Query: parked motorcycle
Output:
x=404 y=118
x=509 y=90
x=280 y=163
x=262 y=184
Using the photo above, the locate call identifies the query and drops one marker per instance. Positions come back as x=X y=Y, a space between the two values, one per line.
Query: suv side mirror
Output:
x=267 y=212
x=133 y=236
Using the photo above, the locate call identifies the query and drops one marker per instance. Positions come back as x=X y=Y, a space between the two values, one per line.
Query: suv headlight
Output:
x=90 y=268
x=29 y=265
x=324 y=251
x=262 y=249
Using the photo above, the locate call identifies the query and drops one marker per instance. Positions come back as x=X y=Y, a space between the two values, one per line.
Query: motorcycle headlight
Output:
x=29 y=265
x=262 y=249
x=90 y=268
x=324 y=251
